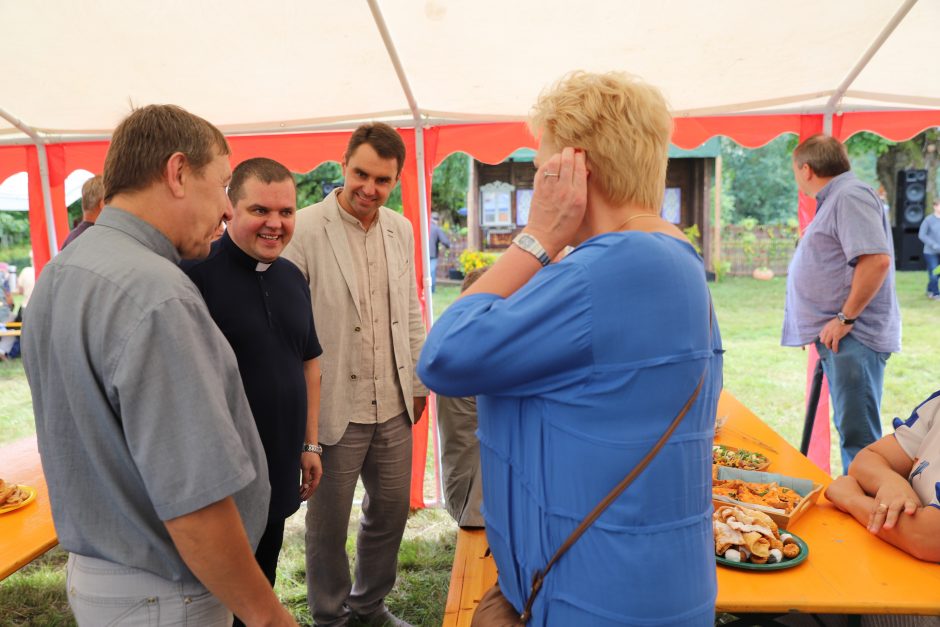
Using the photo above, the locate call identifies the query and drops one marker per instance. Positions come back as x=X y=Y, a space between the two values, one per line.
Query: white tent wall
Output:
x=74 y=68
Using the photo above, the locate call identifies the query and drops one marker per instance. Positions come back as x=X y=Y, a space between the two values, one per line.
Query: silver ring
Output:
x=882 y=507
x=548 y=174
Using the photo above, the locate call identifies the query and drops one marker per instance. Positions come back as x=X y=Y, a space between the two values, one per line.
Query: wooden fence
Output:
x=743 y=248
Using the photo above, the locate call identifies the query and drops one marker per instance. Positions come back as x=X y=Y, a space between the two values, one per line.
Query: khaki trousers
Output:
x=381 y=455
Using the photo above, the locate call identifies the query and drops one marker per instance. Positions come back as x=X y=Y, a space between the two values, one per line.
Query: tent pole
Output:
x=866 y=58
x=423 y=215
x=43 y=159
x=424 y=219
x=47 y=199
x=716 y=237
x=827 y=123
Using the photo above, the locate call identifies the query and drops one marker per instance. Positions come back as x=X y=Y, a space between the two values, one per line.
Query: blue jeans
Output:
x=933 y=260
x=434 y=273
x=856 y=380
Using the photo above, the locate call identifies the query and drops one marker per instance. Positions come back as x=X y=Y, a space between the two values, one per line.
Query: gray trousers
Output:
x=381 y=454
x=105 y=593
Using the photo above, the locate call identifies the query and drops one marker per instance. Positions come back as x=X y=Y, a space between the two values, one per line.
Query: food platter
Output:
x=30 y=491
x=734 y=457
x=796 y=561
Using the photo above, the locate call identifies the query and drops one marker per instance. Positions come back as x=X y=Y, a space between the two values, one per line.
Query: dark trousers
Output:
x=268 y=550
x=933 y=261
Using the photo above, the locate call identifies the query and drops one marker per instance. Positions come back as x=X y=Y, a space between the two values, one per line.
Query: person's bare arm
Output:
x=881 y=470
x=310 y=463
x=213 y=544
x=870 y=273
x=917 y=533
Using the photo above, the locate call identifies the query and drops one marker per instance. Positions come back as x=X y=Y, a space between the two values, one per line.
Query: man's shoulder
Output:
x=289 y=271
x=317 y=211
x=853 y=189
x=395 y=219
x=199 y=267
x=132 y=273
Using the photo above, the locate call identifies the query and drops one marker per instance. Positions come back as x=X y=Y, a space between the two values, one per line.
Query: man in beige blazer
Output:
x=358 y=257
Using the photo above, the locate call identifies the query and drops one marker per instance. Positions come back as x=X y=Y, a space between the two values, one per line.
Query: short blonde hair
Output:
x=621 y=122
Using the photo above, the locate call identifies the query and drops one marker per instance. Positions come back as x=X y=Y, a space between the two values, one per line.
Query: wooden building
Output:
x=499 y=196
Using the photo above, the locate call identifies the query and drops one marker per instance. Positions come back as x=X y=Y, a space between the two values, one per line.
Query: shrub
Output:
x=472 y=259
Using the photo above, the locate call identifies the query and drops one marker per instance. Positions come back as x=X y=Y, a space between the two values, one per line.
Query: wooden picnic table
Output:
x=848 y=571
x=25 y=533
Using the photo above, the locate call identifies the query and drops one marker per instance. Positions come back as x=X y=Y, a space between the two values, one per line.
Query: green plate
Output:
x=799 y=559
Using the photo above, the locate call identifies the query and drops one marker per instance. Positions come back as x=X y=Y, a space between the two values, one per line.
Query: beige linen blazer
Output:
x=321 y=251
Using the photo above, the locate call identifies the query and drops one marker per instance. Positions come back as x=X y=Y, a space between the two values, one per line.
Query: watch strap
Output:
x=844 y=320
x=528 y=243
x=312 y=448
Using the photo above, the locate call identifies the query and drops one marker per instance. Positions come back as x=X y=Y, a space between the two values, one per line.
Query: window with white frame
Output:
x=496 y=204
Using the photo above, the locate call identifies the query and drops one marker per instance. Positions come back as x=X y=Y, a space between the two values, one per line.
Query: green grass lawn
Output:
x=767 y=378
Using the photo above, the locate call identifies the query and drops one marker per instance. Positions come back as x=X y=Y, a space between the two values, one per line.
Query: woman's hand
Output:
x=558 y=200
x=895 y=495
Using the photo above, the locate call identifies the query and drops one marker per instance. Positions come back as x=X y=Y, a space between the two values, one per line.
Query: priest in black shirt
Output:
x=262 y=305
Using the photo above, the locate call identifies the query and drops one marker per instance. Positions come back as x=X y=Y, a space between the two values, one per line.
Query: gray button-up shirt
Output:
x=140 y=412
x=849 y=223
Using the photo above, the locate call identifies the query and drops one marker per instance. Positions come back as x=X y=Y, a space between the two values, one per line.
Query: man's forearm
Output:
x=213 y=544
x=870 y=274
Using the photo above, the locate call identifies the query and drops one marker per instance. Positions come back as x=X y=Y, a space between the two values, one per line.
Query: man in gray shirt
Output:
x=840 y=290
x=156 y=474
x=929 y=234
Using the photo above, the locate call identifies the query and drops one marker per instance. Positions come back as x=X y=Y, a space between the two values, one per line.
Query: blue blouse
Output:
x=578 y=374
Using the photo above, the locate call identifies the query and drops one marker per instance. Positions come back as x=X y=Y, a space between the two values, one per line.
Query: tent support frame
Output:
x=43 y=159
x=423 y=215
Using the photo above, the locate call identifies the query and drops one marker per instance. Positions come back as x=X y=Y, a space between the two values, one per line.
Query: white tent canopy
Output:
x=72 y=71
x=77 y=68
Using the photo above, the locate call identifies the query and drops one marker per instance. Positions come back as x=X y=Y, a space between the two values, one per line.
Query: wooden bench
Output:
x=28 y=532
x=474 y=572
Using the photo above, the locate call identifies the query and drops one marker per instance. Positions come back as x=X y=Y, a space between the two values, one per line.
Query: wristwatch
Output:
x=532 y=246
x=845 y=321
x=313 y=448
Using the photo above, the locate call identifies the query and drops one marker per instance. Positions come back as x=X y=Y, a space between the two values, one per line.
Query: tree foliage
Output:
x=758 y=183
x=449 y=192
x=14 y=228
x=921 y=151
x=310 y=186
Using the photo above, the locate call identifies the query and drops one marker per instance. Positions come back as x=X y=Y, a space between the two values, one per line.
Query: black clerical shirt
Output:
x=264 y=311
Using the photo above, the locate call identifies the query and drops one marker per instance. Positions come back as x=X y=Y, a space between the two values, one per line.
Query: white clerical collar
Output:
x=261 y=267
